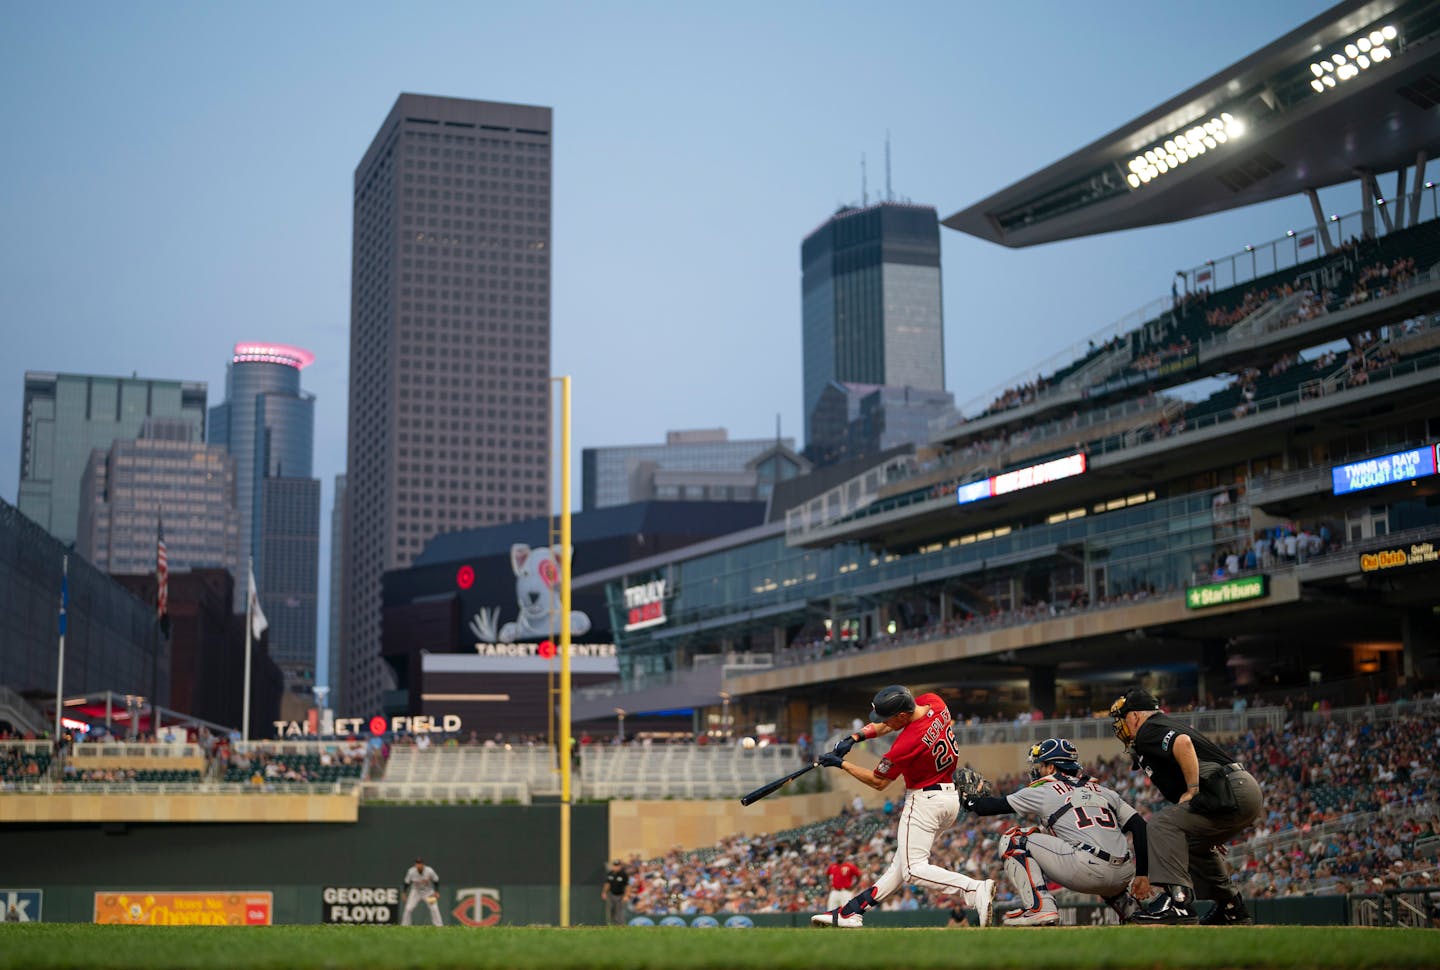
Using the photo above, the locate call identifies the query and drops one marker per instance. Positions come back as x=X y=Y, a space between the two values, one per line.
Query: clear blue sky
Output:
x=176 y=177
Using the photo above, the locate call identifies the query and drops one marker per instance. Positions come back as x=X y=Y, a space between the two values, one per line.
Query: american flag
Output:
x=162 y=578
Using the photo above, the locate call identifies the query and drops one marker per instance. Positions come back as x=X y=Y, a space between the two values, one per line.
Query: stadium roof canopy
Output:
x=1318 y=107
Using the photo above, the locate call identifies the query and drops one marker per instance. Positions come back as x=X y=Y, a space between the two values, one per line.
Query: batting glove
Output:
x=843 y=746
x=831 y=760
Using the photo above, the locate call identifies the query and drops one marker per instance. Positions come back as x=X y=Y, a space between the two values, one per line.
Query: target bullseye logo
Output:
x=546 y=649
x=377 y=725
x=465 y=577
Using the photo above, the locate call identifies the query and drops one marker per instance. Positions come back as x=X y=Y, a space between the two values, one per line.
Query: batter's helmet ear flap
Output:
x=892 y=700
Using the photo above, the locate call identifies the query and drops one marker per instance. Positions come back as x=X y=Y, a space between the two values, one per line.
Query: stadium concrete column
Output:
x=1042 y=690
x=1420 y=634
x=1322 y=227
x=1212 y=674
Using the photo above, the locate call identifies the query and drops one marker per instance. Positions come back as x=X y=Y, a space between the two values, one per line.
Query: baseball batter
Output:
x=924 y=755
x=1080 y=842
x=422 y=884
x=844 y=875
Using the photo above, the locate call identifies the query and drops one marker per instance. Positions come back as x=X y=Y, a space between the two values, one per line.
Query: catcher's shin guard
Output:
x=1023 y=872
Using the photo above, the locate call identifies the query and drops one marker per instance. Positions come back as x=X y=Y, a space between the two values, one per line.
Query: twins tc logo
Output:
x=477 y=907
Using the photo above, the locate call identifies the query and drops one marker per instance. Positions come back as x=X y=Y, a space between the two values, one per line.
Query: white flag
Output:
x=258 y=623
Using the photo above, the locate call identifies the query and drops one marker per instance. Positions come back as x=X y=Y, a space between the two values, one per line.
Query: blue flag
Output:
x=64 y=600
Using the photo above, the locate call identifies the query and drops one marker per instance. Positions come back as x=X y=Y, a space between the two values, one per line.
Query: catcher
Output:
x=422 y=883
x=1080 y=842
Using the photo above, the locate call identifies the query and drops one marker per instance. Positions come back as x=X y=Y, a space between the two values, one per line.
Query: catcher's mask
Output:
x=1059 y=752
x=1138 y=699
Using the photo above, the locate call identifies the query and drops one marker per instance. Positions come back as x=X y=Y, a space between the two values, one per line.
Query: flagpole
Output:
x=249 y=617
x=60 y=671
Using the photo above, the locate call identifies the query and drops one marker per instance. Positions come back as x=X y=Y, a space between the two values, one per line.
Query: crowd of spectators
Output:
x=1312 y=773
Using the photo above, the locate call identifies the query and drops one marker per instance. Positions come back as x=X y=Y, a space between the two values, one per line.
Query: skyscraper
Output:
x=67 y=416
x=166 y=474
x=449 y=345
x=267 y=423
x=871 y=301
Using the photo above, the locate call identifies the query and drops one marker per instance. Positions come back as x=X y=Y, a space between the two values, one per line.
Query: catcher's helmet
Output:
x=890 y=701
x=1054 y=751
x=1136 y=699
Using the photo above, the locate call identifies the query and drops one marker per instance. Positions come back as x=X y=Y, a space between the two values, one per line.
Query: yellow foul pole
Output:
x=565 y=752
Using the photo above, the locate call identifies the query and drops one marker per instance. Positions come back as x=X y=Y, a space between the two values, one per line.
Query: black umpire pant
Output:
x=1183 y=843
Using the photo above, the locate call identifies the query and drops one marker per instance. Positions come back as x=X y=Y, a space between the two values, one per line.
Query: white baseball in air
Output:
x=747 y=743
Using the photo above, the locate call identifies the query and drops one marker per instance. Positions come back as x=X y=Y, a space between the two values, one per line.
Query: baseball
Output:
x=747 y=743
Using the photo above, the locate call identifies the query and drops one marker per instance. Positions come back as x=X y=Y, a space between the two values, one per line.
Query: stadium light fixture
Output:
x=1359 y=54
x=1181 y=147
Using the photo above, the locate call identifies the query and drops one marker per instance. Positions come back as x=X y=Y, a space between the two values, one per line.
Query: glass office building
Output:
x=871 y=301
x=267 y=423
x=623 y=474
x=67 y=416
x=166 y=475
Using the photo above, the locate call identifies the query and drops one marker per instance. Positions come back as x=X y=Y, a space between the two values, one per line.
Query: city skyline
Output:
x=219 y=207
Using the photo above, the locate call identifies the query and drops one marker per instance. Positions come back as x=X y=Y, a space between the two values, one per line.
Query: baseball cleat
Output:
x=1039 y=916
x=835 y=918
x=1166 y=913
x=1232 y=913
x=984 y=896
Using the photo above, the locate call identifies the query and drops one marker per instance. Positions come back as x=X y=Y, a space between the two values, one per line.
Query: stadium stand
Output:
x=1370 y=823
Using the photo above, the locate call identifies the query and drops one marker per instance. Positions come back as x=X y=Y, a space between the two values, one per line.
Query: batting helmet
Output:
x=1054 y=751
x=890 y=701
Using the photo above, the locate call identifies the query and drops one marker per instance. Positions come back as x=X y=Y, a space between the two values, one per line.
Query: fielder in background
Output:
x=844 y=876
x=615 y=891
x=1213 y=799
x=924 y=755
x=422 y=884
x=1082 y=845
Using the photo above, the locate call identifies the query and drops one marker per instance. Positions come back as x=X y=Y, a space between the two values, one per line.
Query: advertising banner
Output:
x=145 y=908
x=21 y=905
x=373 y=905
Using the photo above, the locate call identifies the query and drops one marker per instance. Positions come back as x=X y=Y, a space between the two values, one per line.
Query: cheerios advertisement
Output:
x=185 y=909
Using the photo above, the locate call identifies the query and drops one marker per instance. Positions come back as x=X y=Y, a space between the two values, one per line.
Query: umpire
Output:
x=1213 y=798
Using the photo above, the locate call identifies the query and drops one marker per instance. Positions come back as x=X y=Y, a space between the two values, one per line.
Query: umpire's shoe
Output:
x=1163 y=912
x=1229 y=913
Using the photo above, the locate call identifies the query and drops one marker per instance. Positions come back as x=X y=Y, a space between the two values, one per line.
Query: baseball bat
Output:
x=772 y=787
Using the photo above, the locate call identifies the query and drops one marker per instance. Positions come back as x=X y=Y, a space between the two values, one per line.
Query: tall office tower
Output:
x=871 y=306
x=67 y=416
x=331 y=680
x=699 y=465
x=267 y=423
x=449 y=345
x=165 y=475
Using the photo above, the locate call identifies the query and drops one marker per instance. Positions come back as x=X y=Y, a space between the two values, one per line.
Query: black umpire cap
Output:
x=1135 y=699
x=892 y=700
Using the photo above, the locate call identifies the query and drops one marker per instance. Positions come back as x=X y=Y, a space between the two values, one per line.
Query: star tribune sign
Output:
x=1230 y=591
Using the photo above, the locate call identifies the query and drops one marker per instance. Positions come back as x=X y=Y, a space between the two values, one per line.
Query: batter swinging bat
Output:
x=771 y=788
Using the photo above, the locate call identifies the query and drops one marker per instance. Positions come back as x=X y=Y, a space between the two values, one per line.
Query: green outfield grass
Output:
x=36 y=946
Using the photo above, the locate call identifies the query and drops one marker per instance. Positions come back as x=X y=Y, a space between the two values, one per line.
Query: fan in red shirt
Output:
x=843 y=876
x=924 y=755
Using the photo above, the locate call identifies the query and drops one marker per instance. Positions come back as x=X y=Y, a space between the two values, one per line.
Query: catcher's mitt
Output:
x=971 y=784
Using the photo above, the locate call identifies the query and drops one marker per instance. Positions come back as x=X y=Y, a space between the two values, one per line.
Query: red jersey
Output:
x=924 y=750
x=843 y=875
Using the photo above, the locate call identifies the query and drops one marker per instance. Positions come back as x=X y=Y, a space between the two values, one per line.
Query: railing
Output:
x=1293 y=249
x=138 y=751
x=31 y=748
x=202 y=787
x=21 y=713
x=1213 y=723
x=495 y=792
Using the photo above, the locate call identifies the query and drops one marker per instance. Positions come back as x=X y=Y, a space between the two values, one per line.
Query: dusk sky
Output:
x=177 y=177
